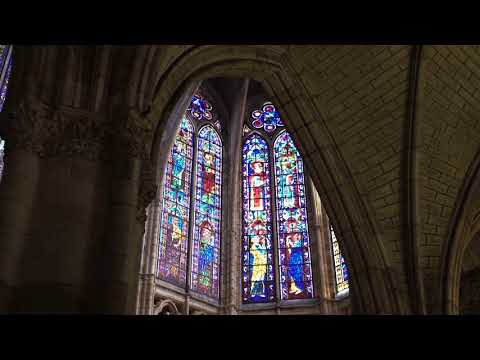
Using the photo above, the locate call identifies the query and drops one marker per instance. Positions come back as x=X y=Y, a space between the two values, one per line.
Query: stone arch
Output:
x=166 y=307
x=373 y=285
x=463 y=228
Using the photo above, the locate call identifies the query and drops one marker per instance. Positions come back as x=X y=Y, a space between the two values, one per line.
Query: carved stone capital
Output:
x=22 y=128
x=50 y=131
x=135 y=135
x=72 y=132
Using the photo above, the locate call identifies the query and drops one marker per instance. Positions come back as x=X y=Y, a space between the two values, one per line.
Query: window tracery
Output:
x=190 y=233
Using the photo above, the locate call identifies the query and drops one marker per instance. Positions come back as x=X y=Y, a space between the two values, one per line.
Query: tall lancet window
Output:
x=208 y=210
x=172 y=262
x=276 y=243
x=258 y=268
x=292 y=224
x=5 y=68
x=190 y=223
x=341 y=270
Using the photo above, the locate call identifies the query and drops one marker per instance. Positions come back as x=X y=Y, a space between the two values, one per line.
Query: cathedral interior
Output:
x=240 y=179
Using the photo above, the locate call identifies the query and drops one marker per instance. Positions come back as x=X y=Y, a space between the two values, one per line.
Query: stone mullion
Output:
x=317 y=243
x=232 y=206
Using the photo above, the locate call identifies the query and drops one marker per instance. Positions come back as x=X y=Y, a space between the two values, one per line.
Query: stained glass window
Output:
x=193 y=185
x=341 y=270
x=172 y=262
x=5 y=69
x=290 y=242
x=267 y=118
x=206 y=240
x=292 y=225
x=257 y=252
x=200 y=108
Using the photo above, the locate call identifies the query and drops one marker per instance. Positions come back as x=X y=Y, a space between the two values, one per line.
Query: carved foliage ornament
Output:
x=50 y=131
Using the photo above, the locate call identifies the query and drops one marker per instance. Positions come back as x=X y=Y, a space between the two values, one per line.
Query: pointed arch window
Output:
x=190 y=221
x=292 y=224
x=175 y=219
x=275 y=258
x=208 y=209
x=258 y=266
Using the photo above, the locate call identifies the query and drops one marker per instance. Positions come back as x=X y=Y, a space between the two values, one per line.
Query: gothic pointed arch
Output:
x=208 y=213
x=175 y=216
x=190 y=220
x=292 y=223
x=258 y=276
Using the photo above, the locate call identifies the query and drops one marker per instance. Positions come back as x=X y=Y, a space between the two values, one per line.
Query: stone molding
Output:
x=65 y=131
x=147 y=190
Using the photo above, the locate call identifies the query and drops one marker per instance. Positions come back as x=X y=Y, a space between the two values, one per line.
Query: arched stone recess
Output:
x=373 y=284
x=166 y=307
x=464 y=228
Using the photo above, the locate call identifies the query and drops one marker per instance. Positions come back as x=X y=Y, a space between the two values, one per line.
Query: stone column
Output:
x=57 y=193
x=17 y=191
x=233 y=204
x=131 y=189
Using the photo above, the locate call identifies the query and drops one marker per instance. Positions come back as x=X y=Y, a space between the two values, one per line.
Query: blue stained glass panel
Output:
x=200 y=109
x=267 y=118
x=206 y=240
x=258 y=280
x=292 y=223
x=175 y=216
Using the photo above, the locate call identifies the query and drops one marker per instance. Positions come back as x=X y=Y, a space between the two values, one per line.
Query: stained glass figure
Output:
x=258 y=280
x=341 y=270
x=5 y=69
x=175 y=216
x=267 y=118
x=206 y=240
x=292 y=224
x=199 y=109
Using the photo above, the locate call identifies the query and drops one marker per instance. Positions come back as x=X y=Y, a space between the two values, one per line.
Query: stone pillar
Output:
x=131 y=189
x=233 y=205
x=17 y=191
x=55 y=197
